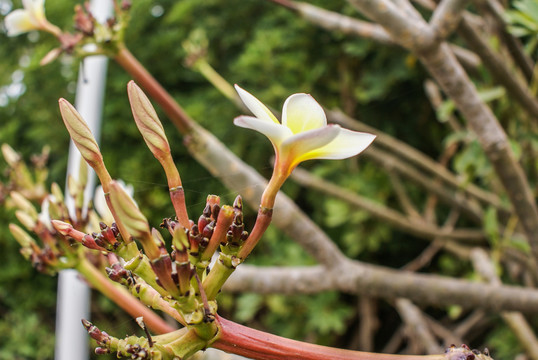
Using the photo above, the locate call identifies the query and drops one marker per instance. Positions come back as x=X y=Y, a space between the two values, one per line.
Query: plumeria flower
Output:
x=303 y=133
x=32 y=17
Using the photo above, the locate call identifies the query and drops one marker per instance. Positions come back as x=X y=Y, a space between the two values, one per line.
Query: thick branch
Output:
x=358 y=278
x=446 y=17
x=394 y=218
x=410 y=32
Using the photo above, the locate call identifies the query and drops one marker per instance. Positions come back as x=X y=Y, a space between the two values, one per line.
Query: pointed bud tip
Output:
x=87 y=325
x=62 y=227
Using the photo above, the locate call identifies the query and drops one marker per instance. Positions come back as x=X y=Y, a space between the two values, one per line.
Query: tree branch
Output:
x=446 y=17
x=442 y=64
x=358 y=278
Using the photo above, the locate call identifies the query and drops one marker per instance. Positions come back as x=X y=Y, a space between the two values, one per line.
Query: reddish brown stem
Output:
x=244 y=341
x=262 y=223
x=175 y=112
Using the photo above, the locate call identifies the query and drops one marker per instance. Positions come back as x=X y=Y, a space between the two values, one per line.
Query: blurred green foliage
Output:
x=272 y=54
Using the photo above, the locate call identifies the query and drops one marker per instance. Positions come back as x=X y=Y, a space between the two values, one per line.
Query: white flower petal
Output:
x=301 y=113
x=306 y=142
x=347 y=144
x=36 y=10
x=18 y=22
x=275 y=132
x=255 y=106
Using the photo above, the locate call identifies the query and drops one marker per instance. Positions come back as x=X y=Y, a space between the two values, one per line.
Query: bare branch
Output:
x=365 y=279
x=442 y=64
x=411 y=33
x=332 y=21
x=515 y=49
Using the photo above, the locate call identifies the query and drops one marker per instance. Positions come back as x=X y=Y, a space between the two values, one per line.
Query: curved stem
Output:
x=244 y=341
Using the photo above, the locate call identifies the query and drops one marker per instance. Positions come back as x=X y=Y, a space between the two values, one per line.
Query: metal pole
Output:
x=73 y=298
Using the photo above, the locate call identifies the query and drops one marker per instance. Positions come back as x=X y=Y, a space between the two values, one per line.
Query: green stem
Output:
x=121 y=296
x=216 y=278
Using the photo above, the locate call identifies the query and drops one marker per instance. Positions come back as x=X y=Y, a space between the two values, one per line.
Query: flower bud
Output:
x=10 y=155
x=25 y=219
x=23 y=204
x=81 y=134
x=22 y=237
x=127 y=211
x=57 y=192
x=148 y=122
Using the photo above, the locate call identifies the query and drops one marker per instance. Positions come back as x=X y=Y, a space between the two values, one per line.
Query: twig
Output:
x=469 y=323
x=515 y=320
x=425 y=257
x=396 y=340
x=455 y=199
x=410 y=225
x=403 y=198
x=416 y=157
x=434 y=95
x=412 y=316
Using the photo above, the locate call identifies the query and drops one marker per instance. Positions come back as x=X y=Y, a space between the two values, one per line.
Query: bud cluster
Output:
x=170 y=272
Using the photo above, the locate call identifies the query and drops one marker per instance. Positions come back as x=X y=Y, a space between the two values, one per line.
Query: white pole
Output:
x=73 y=298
